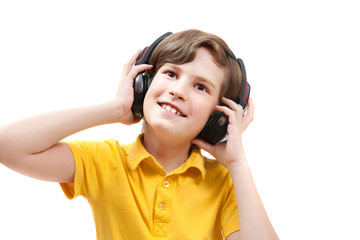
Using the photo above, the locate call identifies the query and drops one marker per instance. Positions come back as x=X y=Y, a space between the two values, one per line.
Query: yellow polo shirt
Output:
x=132 y=197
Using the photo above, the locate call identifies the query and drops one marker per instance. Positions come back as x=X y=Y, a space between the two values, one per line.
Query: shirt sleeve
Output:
x=95 y=165
x=229 y=214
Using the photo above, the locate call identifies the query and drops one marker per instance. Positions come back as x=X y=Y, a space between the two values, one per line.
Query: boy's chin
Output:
x=169 y=132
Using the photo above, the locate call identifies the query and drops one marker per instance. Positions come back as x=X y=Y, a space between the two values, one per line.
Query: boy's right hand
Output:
x=125 y=92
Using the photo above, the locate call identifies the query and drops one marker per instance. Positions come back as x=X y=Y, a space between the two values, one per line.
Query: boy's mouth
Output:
x=172 y=109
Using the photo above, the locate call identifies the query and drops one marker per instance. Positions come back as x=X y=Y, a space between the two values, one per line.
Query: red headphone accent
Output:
x=142 y=54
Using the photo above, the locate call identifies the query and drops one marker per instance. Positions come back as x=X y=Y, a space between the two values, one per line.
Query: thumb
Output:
x=204 y=145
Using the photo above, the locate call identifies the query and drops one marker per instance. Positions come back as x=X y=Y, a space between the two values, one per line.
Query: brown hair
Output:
x=181 y=48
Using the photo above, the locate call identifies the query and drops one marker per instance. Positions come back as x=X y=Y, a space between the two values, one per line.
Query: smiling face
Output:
x=182 y=97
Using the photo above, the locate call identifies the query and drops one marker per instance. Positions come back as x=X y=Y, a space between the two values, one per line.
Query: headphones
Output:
x=215 y=128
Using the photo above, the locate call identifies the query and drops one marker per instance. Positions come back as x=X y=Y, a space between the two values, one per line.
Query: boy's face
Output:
x=182 y=97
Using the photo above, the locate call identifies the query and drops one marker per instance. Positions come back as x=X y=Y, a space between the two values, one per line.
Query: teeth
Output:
x=169 y=108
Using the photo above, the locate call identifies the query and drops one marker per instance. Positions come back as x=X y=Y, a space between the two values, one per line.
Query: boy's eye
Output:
x=200 y=87
x=171 y=74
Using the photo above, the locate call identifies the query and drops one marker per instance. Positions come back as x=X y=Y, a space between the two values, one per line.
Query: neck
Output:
x=169 y=152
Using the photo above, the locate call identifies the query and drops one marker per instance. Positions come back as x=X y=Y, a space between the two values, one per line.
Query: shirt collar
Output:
x=136 y=153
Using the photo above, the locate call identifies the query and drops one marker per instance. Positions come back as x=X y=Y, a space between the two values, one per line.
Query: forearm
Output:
x=253 y=220
x=39 y=133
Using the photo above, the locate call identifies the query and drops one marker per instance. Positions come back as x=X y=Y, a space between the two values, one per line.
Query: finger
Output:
x=135 y=70
x=251 y=105
x=250 y=110
x=231 y=104
x=135 y=56
x=204 y=145
x=238 y=111
x=249 y=117
x=237 y=108
x=128 y=65
x=224 y=109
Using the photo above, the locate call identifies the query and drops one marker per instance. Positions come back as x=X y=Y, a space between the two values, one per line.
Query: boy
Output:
x=159 y=187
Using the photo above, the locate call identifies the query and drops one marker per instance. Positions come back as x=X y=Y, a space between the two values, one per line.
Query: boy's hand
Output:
x=231 y=152
x=125 y=92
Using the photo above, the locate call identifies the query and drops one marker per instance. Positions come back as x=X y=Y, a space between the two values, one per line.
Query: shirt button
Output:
x=162 y=206
x=166 y=184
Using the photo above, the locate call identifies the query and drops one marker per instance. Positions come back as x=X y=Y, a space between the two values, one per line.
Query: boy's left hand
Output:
x=231 y=152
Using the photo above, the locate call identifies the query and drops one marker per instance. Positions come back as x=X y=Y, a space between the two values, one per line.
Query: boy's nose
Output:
x=177 y=94
x=179 y=91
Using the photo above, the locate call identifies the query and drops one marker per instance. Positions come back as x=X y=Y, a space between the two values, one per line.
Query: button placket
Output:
x=165 y=184
x=162 y=208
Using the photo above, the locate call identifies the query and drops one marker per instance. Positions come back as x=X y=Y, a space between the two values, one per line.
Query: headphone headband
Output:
x=245 y=86
x=145 y=54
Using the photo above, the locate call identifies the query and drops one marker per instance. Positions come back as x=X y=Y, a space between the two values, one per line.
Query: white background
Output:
x=302 y=60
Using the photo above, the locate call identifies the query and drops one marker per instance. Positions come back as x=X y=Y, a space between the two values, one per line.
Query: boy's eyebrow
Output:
x=200 y=78
x=209 y=82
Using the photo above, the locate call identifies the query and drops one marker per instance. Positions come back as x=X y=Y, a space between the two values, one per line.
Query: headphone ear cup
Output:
x=215 y=128
x=142 y=81
x=141 y=86
x=147 y=82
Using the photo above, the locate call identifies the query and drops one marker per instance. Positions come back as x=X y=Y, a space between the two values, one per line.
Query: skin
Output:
x=32 y=146
x=192 y=88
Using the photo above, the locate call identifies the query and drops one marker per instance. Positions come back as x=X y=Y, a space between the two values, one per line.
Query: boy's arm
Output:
x=32 y=146
x=253 y=220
